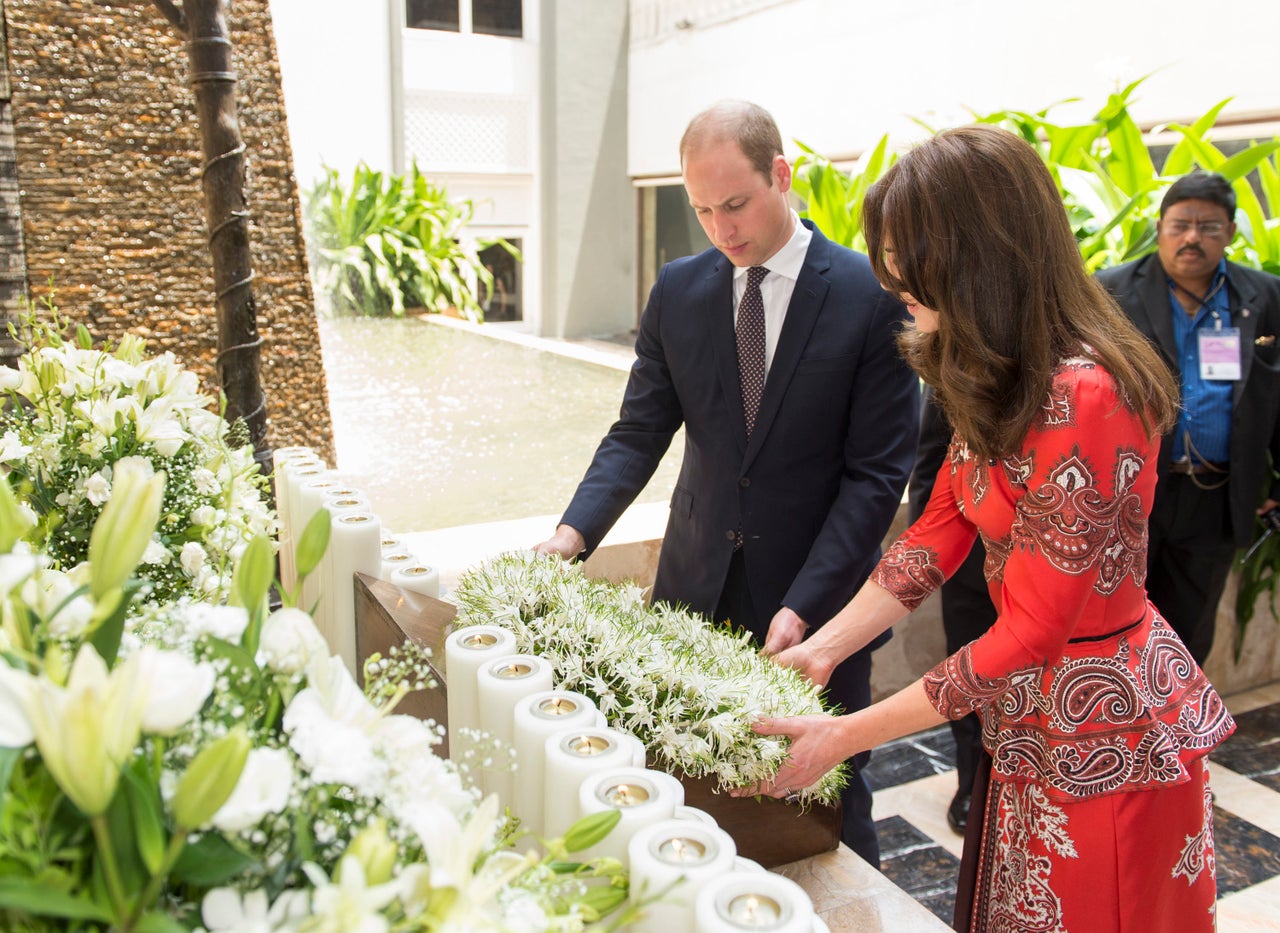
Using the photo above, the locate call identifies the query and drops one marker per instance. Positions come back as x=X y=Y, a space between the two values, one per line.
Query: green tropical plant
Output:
x=1111 y=188
x=382 y=243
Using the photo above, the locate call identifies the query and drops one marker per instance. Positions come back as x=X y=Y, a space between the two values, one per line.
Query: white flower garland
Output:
x=687 y=688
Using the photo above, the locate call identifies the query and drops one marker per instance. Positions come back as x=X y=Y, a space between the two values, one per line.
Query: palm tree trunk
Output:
x=204 y=24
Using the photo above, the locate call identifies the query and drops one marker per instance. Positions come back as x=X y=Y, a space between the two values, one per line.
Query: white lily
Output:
x=226 y=910
x=175 y=689
x=263 y=788
x=290 y=641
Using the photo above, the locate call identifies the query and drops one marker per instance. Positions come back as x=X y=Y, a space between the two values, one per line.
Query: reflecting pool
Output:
x=443 y=427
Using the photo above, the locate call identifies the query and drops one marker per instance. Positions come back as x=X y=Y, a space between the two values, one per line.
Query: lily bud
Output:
x=210 y=779
x=124 y=528
x=14 y=521
x=375 y=852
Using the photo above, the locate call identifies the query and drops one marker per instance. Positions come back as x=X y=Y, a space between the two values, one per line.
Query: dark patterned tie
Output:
x=750 y=328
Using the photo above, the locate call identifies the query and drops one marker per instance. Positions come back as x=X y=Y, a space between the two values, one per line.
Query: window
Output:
x=487 y=17
x=504 y=301
x=497 y=17
x=432 y=14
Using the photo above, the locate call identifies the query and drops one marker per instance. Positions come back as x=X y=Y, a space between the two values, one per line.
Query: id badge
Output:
x=1220 y=354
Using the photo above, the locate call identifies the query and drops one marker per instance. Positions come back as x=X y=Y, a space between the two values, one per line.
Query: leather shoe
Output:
x=958 y=811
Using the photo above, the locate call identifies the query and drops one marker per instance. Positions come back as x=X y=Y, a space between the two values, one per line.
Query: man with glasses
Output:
x=1216 y=323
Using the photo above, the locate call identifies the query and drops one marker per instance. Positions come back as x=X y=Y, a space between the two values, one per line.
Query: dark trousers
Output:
x=850 y=687
x=1189 y=556
x=967 y=612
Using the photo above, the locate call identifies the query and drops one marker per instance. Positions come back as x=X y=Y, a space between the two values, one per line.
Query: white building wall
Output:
x=336 y=67
x=838 y=74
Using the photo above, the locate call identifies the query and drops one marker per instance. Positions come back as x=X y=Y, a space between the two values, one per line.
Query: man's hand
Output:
x=786 y=630
x=566 y=543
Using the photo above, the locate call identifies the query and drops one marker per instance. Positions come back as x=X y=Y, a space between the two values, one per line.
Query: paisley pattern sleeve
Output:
x=931 y=549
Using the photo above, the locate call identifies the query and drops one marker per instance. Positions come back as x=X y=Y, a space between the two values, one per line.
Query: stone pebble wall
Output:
x=108 y=154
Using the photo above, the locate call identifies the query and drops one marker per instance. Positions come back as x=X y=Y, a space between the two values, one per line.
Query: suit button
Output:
x=731 y=536
x=744 y=482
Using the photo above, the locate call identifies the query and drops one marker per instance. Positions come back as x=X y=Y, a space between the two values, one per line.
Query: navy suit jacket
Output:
x=815 y=489
x=1142 y=290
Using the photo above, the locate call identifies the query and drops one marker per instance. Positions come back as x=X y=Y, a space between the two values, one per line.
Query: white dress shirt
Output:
x=776 y=287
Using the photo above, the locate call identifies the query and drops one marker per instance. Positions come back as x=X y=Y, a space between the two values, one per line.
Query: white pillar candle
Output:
x=741 y=863
x=418 y=580
x=464 y=651
x=642 y=797
x=638 y=755
x=820 y=925
x=741 y=903
x=695 y=815
x=671 y=860
x=572 y=756
x=307 y=500
x=500 y=684
x=353 y=547
x=340 y=501
x=392 y=544
x=397 y=560
x=290 y=475
x=536 y=717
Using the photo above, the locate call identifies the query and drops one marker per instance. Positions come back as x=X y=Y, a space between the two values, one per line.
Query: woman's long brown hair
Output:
x=978 y=233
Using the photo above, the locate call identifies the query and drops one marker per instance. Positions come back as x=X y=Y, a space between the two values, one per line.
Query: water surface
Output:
x=443 y=427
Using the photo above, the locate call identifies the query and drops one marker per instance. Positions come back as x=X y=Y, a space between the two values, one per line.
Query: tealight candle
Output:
x=641 y=797
x=672 y=859
x=501 y=684
x=696 y=815
x=418 y=578
x=536 y=717
x=738 y=901
x=572 y=755
x=393 y=562
x=465 y=650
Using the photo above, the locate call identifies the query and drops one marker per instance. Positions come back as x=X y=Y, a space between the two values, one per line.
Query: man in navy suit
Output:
x=784 y=497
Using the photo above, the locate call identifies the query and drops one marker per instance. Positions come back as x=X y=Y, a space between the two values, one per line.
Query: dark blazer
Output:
x=1142 y=289
x=817 y=486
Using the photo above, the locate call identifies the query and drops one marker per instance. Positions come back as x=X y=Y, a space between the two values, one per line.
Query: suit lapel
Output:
x=717 y=306
x=1152 y=286
x=1244 y=315
x=802 y=313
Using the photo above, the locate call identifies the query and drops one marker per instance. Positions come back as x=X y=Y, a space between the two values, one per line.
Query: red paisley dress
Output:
x=1098 y=815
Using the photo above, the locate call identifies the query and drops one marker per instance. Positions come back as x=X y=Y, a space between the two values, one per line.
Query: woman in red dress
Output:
x=1097 y=815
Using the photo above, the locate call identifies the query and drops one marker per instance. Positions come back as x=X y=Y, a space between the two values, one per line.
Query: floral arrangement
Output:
x=209 y=767
x=77 y=411
x=687 y=688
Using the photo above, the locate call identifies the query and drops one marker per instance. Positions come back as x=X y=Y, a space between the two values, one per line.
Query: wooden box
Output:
x=769 y=831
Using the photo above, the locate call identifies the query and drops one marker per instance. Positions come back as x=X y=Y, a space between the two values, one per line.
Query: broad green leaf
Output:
x=313 y=543
x=1179 y=159
x=210 y=861
x=42 y=900
x=154 y=922
x=148 y=820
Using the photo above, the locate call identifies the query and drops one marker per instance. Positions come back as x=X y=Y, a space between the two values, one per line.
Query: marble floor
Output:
x=914 y=780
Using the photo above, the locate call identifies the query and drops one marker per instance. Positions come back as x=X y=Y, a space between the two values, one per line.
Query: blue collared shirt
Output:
x=1205 y=418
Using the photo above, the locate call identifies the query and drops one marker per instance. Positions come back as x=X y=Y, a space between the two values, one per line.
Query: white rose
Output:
x=11 y=446
x=176 y=689
x=263 y=788
x=10 y=379
x=156 y=553
x=289 y=641
x=204 y=515
x=192 y=557
x=97 y=488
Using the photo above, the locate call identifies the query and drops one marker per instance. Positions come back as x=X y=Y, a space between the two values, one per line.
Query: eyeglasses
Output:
x=1206 y=228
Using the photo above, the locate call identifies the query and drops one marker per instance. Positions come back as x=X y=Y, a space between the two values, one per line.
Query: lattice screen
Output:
x=468 y=132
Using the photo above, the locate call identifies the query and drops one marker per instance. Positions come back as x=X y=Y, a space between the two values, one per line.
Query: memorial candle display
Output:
x=501 y=684
x=641 y=797
x=307 y=501
x=536 y=717
x=571 y=757
x=464 y=651
x=674 y=859
x=742 y=902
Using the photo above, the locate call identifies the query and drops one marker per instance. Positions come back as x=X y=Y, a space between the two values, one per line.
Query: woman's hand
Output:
x=812 y=664
x=817 y=746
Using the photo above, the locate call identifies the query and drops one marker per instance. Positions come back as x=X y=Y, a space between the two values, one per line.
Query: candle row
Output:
x=685 y=873
x=357 y=544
